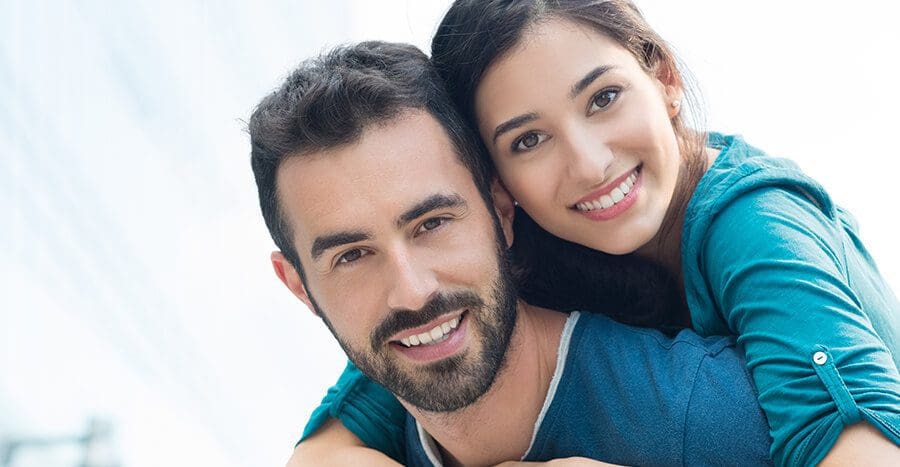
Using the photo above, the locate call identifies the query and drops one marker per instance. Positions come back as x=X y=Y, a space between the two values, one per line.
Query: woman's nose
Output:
x=589 y=158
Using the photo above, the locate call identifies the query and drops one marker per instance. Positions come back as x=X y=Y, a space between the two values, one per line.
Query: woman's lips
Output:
x=612 y=200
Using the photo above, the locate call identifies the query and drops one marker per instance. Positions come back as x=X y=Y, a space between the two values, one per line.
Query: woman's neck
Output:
x=665 y=247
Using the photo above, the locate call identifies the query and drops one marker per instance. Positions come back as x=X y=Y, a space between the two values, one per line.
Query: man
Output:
x=390 y=230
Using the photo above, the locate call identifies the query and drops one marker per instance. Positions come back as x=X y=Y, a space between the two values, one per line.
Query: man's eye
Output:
x=431 y=224
x=603 y=99
x=352 y=255
x=528 y=141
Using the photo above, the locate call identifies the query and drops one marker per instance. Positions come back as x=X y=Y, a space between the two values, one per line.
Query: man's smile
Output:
x=436 y=342
x=431 y=334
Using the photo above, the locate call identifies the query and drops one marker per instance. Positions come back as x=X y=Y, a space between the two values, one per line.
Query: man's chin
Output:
x=443 y=386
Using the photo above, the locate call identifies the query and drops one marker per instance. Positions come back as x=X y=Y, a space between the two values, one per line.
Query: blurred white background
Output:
x=135 y=285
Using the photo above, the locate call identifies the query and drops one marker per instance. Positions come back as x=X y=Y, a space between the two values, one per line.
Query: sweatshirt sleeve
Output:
x=777 y=270
x=365 y=408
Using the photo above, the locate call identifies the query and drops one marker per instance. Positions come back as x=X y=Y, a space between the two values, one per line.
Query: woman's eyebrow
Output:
x=577 y=89
x=512 y=124
x=589 y=78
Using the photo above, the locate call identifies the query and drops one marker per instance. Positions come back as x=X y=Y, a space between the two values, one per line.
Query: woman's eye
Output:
x=603 y=98
x=352 y=255
x=528 y=141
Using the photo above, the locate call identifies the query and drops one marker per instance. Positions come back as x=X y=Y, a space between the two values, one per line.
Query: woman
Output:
x=581 y=107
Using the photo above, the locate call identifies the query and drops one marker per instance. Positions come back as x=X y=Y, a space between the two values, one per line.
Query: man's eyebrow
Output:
x=324 y=243
x=589 y=78
x=513 y=123
x=436 y=201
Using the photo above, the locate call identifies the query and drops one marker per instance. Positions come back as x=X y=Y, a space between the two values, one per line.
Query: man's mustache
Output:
x=402 y=319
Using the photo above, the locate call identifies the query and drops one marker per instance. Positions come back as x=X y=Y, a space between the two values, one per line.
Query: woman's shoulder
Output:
x=742 y=167
x=747 y=205
x=743 y=171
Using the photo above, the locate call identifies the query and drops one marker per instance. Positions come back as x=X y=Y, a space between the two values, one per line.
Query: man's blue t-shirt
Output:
x=641 y=398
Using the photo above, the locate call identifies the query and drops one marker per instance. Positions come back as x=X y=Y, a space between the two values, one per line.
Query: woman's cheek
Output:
x=533 y=179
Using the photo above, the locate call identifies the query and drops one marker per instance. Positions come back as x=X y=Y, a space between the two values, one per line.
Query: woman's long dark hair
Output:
x=553 y=272
x=561 y=275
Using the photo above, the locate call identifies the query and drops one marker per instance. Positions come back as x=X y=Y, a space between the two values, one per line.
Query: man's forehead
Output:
x=389 y=168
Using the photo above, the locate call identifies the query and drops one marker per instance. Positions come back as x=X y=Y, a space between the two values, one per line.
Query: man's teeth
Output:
x=608 y=200
x=435 y=335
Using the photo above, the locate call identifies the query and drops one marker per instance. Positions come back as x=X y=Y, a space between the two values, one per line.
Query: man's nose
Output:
x=413 y=282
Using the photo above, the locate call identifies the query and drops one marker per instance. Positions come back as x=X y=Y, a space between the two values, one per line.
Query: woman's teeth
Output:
x=437 y=334
x=608 y=200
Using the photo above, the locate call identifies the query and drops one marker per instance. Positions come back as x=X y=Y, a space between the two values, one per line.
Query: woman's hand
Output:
x=566 y=462
x=334 y=445
x=862 y=444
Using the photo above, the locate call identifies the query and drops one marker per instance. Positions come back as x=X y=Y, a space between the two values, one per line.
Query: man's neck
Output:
x=499 y=426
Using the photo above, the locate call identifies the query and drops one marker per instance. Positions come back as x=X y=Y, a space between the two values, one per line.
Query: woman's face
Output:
x=582 y=136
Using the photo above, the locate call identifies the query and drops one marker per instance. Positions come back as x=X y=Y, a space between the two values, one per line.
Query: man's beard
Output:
x=455 y=382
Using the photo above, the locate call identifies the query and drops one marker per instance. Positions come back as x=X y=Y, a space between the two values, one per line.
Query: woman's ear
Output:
x=505 y=207
x=674 y=97
x=671 y=86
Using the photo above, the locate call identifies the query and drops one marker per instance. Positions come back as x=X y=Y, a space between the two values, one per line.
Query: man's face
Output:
x=403 y=260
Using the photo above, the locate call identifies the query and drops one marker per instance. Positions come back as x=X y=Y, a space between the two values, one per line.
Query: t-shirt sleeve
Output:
x=365 y=408
x=723 y=424
x=777 y=269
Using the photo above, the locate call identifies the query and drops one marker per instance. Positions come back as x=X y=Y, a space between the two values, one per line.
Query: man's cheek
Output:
x=470 y=252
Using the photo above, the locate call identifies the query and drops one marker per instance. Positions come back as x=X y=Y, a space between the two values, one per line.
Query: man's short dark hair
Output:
x=330 y=100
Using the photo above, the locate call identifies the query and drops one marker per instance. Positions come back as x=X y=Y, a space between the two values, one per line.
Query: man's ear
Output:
x=505 y=208
x=291 y=278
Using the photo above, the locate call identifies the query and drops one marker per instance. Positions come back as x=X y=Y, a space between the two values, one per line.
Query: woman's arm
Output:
x=777 y=270
x=566 y=462
x=334 y=445
x=864 y=446
x=355 y=413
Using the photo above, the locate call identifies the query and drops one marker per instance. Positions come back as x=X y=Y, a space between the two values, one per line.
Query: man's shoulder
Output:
x=624 y=339
x=690 y=384
x=602 y=351
x=625 y=392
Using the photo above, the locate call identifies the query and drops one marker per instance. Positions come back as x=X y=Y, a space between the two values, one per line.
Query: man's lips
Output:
x=446 y=346
x=431 y=331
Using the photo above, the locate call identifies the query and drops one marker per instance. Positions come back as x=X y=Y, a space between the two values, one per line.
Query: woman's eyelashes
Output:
x=603 y=99
x=528 y=141
x=599 y=102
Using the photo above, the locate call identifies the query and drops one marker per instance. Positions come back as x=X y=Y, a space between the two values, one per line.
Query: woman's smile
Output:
x=593 y=157
x=612 y=199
